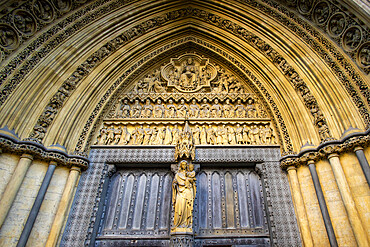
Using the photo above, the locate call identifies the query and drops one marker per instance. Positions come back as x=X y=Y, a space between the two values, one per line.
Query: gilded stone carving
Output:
x=183 y=195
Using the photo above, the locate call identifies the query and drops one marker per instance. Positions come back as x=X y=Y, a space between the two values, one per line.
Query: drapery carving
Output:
x=183 y=195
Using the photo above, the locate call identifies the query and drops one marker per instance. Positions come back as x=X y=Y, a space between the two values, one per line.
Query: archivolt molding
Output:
x=58 y=99
x=59 y=33
x=67 y=88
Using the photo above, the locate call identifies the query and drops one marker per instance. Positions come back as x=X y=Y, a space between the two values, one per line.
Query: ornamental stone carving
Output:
x=189 y=73
x=337 y=24
x=321 y=13
x=363 y=55
x=352 y=38
x=63 y=5
x=8 y=37
x=43 y=10
x=24 y=22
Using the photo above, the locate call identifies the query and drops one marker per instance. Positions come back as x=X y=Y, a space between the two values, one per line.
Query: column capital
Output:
x=310 y=162
x=27 y=156
x=332 y=155
x=291 y=168
x=357 y=148
x=76 y=168
x=53 y=163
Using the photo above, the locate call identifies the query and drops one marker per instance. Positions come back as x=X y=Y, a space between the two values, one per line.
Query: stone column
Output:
x=359 y=151
x=13 y=185
x=299 y=205
x=322 y=204
x=349 y=203
x=63 y=207
x=36 y=205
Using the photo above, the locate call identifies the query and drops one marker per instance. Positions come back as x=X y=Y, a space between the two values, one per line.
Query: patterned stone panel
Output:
x=82 y=209
x=236 y=154
x=280 y=206
x=138 y=154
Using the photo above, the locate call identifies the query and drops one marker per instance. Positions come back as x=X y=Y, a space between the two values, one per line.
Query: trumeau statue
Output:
x=183 y=195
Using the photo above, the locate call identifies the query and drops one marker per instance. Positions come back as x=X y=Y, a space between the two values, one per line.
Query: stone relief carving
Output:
x=352 y=38
x=63 y=5
x=363 y=56
x=189 y=73
x=43 y=10
x=118 y=41
x=129 y=35
x=337 y=24
x=132 y=109
x=24 y=22
x=8 y=37
x=321 y=13
x=198 y=134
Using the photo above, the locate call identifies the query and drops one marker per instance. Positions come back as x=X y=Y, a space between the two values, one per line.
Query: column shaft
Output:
x=322 y=204
x=13 y=186
x=349 y=203
x=363 y=163
x=298 y=201
x=63 y=207
x=36 y=205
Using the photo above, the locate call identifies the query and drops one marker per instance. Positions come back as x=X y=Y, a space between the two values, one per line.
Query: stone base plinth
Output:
x=181 y=239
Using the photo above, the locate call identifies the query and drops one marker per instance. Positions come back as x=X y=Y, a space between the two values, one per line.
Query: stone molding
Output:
x=349 y=143
x=33 y=149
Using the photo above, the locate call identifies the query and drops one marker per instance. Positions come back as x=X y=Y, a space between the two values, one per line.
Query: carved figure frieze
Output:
x=215 y=109
x=185 y=138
